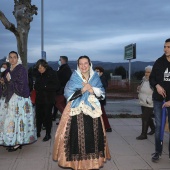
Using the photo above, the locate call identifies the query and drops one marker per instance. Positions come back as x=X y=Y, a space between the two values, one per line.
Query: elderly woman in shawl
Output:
x=17 y=126
x=80 y=141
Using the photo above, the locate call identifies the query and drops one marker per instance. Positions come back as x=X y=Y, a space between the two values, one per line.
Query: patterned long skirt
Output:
x=80 y=142
x=17 y=121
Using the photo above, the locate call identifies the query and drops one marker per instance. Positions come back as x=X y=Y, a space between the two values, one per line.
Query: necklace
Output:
x=84 y=78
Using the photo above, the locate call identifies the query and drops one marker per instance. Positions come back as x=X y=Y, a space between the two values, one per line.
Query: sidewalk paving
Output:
x=128 y=106
x=127 y=152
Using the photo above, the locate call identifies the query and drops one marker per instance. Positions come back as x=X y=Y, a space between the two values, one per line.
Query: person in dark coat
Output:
x=64 y=73
x=104 y=81
x=3 y=72
x=46 y=85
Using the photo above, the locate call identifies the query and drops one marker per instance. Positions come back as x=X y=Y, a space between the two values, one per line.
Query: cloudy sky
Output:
x=97 y=28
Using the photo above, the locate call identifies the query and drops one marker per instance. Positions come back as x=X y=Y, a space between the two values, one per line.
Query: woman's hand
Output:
x=87 y=87
x=91 y=91
x=8 y=76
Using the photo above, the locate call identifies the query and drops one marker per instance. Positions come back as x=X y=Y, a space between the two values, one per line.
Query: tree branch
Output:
x=8 y=25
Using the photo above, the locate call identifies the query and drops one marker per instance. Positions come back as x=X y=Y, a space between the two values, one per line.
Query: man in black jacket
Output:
x=160 y=82
x=64 y=74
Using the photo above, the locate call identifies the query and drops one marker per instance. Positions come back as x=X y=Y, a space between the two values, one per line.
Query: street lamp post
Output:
x=43 y=54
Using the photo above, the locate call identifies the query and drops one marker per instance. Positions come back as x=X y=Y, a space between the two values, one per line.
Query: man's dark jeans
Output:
x=158 y=121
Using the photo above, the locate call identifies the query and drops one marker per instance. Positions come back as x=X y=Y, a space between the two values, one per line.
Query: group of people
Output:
x=80 y=140
x=76 y=95
x=154 y=95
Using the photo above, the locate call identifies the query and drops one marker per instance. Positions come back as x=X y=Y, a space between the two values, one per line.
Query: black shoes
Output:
x=46 y=138
x=156 y=156
x=151 y=132
x=141 y=137
x=109 y=130
x=12 y=149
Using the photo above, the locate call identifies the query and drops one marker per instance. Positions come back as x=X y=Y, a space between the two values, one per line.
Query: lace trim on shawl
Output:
x=97 y=112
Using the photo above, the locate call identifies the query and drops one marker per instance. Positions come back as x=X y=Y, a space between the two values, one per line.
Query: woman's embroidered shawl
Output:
x=18 y=83
x=87 y=103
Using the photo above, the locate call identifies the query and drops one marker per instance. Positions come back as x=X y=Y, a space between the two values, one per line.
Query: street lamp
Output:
x=43 y=53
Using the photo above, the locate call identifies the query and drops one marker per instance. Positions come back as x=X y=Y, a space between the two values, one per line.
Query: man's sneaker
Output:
x=156 y=156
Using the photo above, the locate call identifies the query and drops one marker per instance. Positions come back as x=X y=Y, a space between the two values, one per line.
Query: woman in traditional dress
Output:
x=80 y=141
x=17 y=125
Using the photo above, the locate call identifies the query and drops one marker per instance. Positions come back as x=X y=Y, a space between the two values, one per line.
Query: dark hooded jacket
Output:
x=160 y=75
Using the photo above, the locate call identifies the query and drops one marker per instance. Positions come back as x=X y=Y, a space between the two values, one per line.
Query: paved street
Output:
x=116 y=107
x=127 y=152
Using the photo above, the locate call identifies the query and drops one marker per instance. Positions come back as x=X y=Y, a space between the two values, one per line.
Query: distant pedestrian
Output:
x=160 y=82
x=3 y=72
x=4 y=69
x=100 y=72
x=80 y=141
x=146 y=102
x=17 y=126
x=46 y=84
x=64 y=73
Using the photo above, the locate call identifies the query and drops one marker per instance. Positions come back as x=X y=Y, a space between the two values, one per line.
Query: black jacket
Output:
x=64 y=74
x=46 y=85
x=160 y=75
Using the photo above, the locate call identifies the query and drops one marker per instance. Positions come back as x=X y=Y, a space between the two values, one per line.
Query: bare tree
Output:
x=23 y=13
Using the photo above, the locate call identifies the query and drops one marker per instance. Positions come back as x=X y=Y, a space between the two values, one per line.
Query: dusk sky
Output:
x=97 y=28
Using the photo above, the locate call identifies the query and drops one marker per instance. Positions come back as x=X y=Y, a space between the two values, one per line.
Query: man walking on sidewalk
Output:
x=160 y=82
